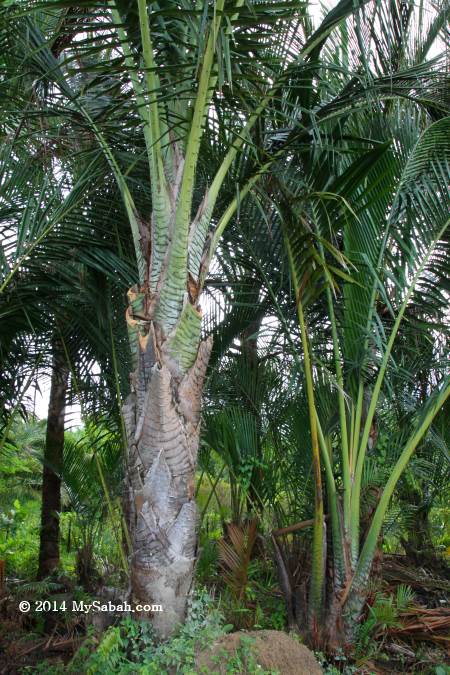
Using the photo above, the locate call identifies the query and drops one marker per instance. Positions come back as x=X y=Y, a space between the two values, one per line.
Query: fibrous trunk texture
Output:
x=162 y=419
x=53 y=460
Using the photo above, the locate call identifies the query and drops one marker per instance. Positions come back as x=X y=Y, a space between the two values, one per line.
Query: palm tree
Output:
x=53 y=460
x=325 y=195
x=65 y=329
x=207 y=87
x=393 y=257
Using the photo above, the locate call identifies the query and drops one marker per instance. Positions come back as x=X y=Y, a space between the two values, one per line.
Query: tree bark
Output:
x=53 y=459
x=162 y=419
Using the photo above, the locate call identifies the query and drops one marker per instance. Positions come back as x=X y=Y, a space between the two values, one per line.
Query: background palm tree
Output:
x=70 y=261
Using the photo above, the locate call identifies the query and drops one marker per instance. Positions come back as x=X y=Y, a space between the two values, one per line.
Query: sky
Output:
x=41 y=398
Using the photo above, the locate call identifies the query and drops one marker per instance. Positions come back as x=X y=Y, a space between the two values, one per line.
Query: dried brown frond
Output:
x=235 y=555
x=423 y=624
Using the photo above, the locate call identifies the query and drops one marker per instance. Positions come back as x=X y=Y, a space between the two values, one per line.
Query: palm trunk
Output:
x=249 y=355
x=162 y=418
x=53 y=459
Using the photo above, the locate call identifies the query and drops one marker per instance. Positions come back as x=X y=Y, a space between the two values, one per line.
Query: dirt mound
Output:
x=271 y=649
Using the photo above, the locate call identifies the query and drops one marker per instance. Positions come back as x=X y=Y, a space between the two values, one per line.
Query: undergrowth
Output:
x=131 y=646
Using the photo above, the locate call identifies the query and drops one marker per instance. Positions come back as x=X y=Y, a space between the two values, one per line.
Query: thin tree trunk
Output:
x=53 y=458
x=162 y=418
x=249 y=351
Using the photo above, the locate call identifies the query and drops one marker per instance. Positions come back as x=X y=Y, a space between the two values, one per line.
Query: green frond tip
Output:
x=182 y=344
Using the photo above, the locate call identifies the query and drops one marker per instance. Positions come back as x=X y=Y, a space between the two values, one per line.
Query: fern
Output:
x=108 y=655
x=384 y=614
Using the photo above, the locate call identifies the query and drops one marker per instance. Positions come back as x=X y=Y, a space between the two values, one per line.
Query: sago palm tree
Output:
x=393 y=248
x=206 y=85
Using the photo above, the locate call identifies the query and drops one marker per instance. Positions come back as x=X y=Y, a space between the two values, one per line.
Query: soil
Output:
x=271 y=649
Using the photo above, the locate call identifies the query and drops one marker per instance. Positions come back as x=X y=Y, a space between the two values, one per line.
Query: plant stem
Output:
x=318 y=565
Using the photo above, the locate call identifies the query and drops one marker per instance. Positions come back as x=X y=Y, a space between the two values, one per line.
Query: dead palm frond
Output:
x=235 y=555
